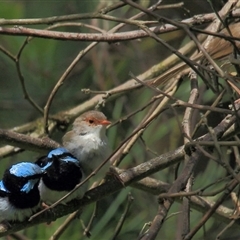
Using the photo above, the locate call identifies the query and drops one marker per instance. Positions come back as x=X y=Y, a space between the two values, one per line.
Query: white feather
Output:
x=10 y=213
x=49 y=196
x=88 y=142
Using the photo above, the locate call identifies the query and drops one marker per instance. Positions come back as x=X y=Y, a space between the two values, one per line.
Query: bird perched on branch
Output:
x=62 y=173
x=19 y=195
x=87 y=141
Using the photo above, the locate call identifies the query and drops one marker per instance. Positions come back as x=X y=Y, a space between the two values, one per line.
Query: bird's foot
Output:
x=4 y=226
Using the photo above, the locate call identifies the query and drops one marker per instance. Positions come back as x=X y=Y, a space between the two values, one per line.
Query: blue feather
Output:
x=25 y=169
x=70 y=159
x=2 y=187
x=57 y=152
x=46 y=166
x=62 y=173
x=29 y=185
x=63 y=155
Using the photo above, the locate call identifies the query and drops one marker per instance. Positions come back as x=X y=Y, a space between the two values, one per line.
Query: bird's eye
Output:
x=91 y=121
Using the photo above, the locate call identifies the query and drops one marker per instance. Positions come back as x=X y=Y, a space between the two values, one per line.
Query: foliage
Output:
x=46 y=81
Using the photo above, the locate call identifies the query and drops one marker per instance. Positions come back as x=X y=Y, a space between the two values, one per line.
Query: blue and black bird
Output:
x=62 y=173
x=19 y=194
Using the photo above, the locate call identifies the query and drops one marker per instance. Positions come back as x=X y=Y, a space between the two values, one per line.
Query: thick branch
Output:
x=110 y=37
x=127 y=177
x=21 y=140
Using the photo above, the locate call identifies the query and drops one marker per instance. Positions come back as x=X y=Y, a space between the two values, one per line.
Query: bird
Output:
x=62 y=173
x=19 y=194
x=88 y=142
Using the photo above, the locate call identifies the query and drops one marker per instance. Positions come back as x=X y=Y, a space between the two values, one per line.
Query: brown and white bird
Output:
x=87 y=141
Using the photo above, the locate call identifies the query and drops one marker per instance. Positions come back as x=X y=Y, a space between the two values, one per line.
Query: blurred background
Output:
x=107 y=65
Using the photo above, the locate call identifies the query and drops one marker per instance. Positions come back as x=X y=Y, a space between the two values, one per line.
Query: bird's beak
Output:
x=105 y=122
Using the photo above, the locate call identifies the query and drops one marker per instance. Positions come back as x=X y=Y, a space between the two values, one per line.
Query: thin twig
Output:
x=209 y=213
x=72 y=65
x=187 y=130
x=181 y=181
x=128 y=177
x=19 y=236
x=123 y=217
x=22 y=80
x=57 y=234
x=139 y=128
x=89 y=226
